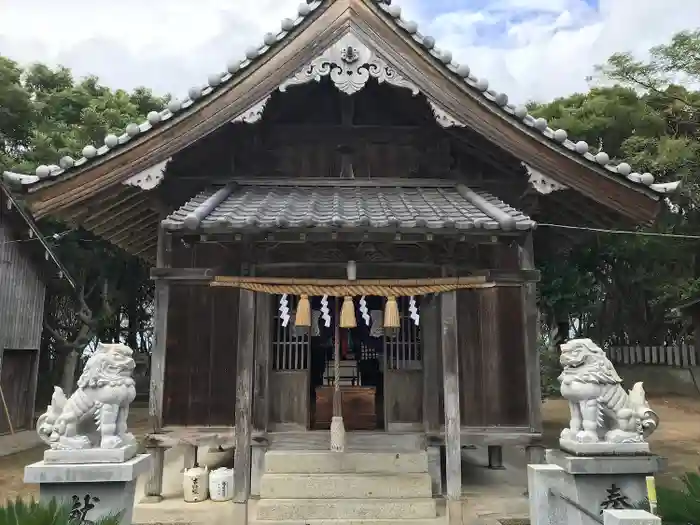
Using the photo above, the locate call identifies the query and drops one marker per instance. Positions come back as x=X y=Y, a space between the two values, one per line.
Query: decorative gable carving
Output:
x=254 y=113
x=149 y=178
x=541 y=183
x=443 y=118
x=350 y=64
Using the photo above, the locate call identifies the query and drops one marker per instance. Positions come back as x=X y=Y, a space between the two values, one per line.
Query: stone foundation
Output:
x=94 y=490
x=576 y=490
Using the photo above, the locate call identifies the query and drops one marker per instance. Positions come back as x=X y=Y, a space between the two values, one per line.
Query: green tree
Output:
x=46 y=113
x=16 y=114
x=620 y=289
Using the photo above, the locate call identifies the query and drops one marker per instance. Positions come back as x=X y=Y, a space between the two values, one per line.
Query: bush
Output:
x=680 y=506
x=19 y=512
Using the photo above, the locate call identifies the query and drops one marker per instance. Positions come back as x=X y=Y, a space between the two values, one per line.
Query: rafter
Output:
x=117 y=230
x=136 y=206
x=101 y=204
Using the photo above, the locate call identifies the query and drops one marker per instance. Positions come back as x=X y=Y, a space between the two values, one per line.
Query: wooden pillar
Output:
x=495 y=453
x=245 y=361
x=450 y=372
x=154 y=482
x=430 y=340
x=257 y=467
x=261 y=396
x=531 y=325
x=154 y=485
x=189 y=458
x=535 y=454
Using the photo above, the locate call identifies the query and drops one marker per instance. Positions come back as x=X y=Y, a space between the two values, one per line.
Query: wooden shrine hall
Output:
x=342 y=227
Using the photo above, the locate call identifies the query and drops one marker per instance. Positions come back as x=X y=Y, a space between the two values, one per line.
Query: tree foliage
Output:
x=44 y=114
x=621 y=289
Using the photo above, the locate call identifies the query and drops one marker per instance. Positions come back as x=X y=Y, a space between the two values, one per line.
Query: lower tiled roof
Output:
x=234 y=207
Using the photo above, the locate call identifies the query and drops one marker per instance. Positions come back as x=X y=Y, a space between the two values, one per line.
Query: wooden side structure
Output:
x=678 y=356
x=347 y=137
x=26 y=263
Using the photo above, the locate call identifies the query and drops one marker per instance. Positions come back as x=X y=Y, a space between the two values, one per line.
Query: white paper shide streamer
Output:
x=365 y=311
x=284 y=310
x=413 y=310
x=325 y=311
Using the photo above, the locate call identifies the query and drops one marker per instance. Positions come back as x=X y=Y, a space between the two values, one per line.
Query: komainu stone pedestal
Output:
x=94 y=490
x=575 y=490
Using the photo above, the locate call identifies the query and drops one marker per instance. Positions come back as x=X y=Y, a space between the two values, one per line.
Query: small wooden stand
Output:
x=358 y=407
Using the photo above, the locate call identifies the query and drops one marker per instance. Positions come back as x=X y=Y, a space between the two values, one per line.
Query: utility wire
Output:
x=620 y=232
x=58 y=236
x=54 y=237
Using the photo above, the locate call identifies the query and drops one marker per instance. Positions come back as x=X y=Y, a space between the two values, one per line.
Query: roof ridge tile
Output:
x=216 y=81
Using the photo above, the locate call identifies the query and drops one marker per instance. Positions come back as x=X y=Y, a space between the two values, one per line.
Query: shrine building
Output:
x=343 y=228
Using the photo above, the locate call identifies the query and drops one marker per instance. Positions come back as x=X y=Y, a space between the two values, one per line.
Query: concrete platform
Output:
x=314 y=486
x=320 y=509
x=317 y=462
x=174 y=511
x=402 y=521
x=487 y=495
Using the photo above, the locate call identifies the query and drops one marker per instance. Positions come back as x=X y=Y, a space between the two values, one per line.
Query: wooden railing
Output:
x=682 y=356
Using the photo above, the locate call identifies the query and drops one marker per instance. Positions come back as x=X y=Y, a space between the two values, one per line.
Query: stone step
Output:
x=345 y=486
x=400 y=521
x=323 y=509
x=315 y=462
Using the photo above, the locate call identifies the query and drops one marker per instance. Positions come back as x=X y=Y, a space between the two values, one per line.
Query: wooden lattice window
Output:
x=403 y=348
x=290 y=348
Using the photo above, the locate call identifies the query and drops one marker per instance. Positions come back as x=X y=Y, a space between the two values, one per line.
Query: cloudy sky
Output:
x=530 y=49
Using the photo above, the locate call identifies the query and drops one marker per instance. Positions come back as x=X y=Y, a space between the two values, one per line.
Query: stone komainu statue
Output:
x=601 y=410
x=95 y=415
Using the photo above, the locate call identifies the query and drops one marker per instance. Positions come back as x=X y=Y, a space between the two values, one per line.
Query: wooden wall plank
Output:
x=224 y=347
x=495 y=391
x=514 y=387
x=404 y=396
x=16 y=369
x=289 y=398
x=472 y=395
x=492 y=369
x=176 y=373
x=202 y=342
x=22 y=294
x=199 y=350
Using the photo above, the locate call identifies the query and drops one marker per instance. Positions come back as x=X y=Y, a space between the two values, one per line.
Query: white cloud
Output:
x=530 y=49
x=549 y=47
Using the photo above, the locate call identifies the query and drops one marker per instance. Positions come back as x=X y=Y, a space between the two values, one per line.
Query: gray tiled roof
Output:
x=271 y=207
x=216 y=81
